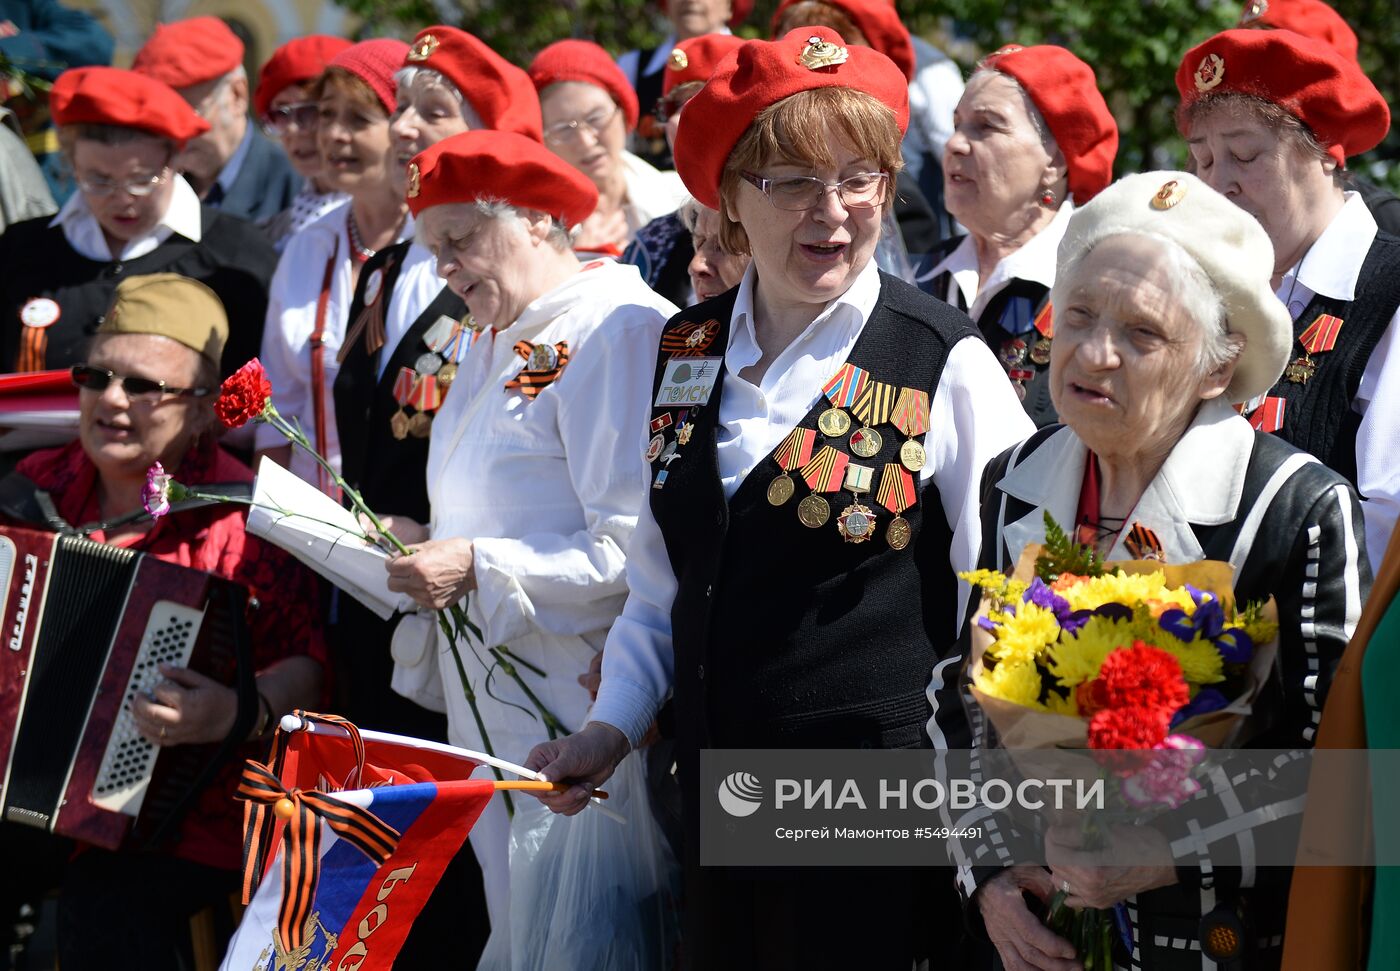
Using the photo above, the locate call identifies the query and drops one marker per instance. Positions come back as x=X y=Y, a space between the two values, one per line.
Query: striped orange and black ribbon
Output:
x=796 y=450
x=531 y=383
x=691 y=339
x=33 y=348
x=301 y=856
x=370 y=322
x=1143 y=544
x=911 y=412
x=896 y=491
x=825 y=471
x=874 y=403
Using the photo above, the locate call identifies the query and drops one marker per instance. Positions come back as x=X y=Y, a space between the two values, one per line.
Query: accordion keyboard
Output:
x=126 y=766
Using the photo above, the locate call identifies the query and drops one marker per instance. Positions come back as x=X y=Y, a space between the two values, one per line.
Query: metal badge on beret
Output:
x=424 y=48
x=678 y=61
x=820 y=53
x=1210 y=72
x=1253 y=12
x=415 y=180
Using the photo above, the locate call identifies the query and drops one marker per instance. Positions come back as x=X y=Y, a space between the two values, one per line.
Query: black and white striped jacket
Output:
x=1292 y=529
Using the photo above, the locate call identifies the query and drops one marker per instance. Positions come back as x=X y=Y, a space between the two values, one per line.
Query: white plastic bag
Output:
x=588 y=893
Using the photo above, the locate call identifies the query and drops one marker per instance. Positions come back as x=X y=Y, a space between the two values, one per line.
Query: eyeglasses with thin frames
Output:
x=563 y=132
x=96 y=379
x=140 y=187
x=301 y=116
x=795 y=193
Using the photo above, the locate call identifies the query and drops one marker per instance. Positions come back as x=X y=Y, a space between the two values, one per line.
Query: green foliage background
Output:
x=1134 y=45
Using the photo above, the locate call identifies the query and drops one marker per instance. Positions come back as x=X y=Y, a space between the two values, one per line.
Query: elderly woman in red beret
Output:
x=588 y=110
x=819 y=437
x=535 y=470
x=133 y=214
x=1033 y=139
x=316 y=277
x=282 y=103
x=1271 y=117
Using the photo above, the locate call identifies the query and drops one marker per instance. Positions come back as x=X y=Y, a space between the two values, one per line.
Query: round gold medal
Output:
x=866 y=442
x=813 y=511
x=912 y=456
x=834 y=423
x=1040 y=351
x=447 y=374
x=898 y=533
x=420 y=425
x=398 y=425
x=780 y=490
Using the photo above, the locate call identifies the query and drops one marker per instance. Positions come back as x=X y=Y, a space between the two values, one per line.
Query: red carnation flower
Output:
x=1141 y=676
x=244 y=395
x=1114 y=732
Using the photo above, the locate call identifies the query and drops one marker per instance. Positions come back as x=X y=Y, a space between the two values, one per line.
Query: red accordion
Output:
x=85 y=628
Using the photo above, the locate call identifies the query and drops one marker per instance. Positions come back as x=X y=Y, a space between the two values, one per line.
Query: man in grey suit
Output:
x=232 y=166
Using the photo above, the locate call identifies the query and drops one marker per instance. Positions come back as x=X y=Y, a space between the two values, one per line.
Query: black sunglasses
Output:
x=91 y=378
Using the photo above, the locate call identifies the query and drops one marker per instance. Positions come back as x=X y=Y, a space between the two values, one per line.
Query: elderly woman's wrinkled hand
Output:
x=1099 y=878
x=586 y=758
x=1024 y=943
x=186 y=708
x=436 y=574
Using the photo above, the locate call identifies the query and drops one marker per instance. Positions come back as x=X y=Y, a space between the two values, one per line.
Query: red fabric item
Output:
x=1066 y=91
x=878 y=20
x=761 y=73
x=1086 y=515
x=582 y=60
x=501 y=94
x=375 y=62
x=699 y=58
x=1307 y=77
x=213 y=539
x=739 y=11
x=189 y=52
x=500 y=165
x=295 y=62
x=1311 y=18
x=111 y=96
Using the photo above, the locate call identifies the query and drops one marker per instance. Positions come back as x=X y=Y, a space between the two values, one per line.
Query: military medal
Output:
x=427 y=397
x=689 y=339
x=842 y=391
x=1267 y=415
x=446 y=339
x=794 y=453
x=446 y=375
x=654 y=447
x=40 y=312
x=1320 y=337
x=683 y=432
x=1012 y=353
x=404 y=386
x=896 y=494
x=543 y=365
x=428 y=364
x=1143 y=544
x=822 y=474
x=1045 y=327
x=910 y=415
x=856 y=524
x=872 y=407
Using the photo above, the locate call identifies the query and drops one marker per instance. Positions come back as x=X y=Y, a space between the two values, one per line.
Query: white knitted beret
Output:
x=1229 y=245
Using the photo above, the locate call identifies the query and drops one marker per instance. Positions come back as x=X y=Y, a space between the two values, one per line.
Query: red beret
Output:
x=878 y=21
x=1065 y=90
x=761 y=73
x=500 y=93
x=189 y=52
x=1311 y=18
x=111 y=96
x=696 y=59
x=739 y=11
x=486 y=164
x=295 y=62
x=1306 y=77
x=375 y=62
x=582 y=60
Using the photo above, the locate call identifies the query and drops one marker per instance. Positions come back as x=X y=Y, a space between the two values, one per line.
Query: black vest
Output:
x=232 y=258
x=1318 y=417
x=787 y=636
x=389 y=472
x=1027 y=364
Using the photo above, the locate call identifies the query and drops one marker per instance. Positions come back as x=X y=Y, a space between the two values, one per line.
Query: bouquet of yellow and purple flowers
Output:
x=1144 y=664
